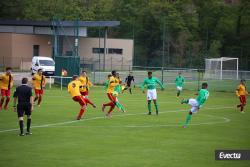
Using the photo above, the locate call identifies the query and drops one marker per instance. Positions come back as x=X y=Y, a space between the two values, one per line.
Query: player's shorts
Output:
x=80 y=100
x=111 y=97
x=86 y=93
x=179 y=88
x=128 y=84
x=194 y=104
x=243 y=100
x=23 y=109
x=39 y=92
x=5 y=93
x=151 y=94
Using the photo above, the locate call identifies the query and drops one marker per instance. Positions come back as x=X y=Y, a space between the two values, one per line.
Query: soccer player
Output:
x=196 y=103
x=85 y=84
x=128 y=82
x=6 y=83
x=25 y=105
x=39 y=82
x=150 y=82
x=74 y=90
x=179 y=81
x=117 y=91
x=241 y=92
x=112 y=83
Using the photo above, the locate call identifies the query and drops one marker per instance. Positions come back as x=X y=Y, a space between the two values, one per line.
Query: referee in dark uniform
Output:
x=25 y=100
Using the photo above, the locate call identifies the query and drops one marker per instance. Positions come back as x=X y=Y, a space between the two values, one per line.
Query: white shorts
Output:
x=194 y=104
x=179 y=88
x=151 y=94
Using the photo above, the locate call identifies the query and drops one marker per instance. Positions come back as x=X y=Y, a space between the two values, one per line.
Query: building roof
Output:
x=61 y=23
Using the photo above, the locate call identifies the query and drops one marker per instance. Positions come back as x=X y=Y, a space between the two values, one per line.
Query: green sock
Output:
x=156 y=106
x=178 y=93
x=185 y=101
x=119 y=105
x=149 y=107
x=188 y=118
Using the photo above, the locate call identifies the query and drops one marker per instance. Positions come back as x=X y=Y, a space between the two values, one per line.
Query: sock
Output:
x=80 y=114
x=242 y=107
x=149 y=106
x=188 y=118
x=130 y=91
x=7 y=102
x=119 y=105
x=156 y=106
x=238 y=105
x=35 y=99
x=21 y=126
x=178 y=93
x=39 y=100
x=111 y=108
x=1 y=102
x=28 y=124
x=185 y=101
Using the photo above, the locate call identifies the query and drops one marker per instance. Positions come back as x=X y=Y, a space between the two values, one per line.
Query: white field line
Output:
x=124 y=115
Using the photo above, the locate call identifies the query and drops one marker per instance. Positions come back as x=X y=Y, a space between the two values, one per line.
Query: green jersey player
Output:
x=196 y=103
x=179 y=82
x=151 y=82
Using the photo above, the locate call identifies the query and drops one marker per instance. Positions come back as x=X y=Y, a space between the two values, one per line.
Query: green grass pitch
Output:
x=130 y=139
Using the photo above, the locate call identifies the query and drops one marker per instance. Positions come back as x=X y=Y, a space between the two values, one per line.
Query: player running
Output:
x=112 y=83
x=39 y=82
x=150 y=82
x=196 y=103
x=179 y=81
x=74 y=90
x=6 y=83
x=241 y=92
x=117 y=91
x=85 y=84
x=128 y=82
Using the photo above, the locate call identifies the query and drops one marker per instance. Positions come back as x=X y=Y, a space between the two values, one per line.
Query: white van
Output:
x=47 y=64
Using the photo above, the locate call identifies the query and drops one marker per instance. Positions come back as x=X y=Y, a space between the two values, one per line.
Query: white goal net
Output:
x=221 y=68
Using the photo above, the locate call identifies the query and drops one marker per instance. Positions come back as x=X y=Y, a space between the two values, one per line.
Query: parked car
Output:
x=47 y=64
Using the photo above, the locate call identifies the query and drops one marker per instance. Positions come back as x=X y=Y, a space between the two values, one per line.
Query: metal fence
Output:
x=193 y=79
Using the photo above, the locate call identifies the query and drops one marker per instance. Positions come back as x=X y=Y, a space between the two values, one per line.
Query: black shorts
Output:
x=128 y=84
x=23 y=109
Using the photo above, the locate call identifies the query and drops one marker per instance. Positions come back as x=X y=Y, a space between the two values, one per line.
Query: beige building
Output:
x=17 y=50
x=20 y=40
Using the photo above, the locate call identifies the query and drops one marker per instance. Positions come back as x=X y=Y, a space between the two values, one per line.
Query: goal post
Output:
x=222 y=68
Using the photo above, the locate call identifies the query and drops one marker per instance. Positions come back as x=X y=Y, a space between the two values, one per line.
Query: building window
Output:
x=110 y=51
x=35 y=50
x=115 y=51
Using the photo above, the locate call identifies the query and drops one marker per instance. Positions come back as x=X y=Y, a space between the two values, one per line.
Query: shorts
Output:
x=128 y=84
x=151 y=94
x=5 y=93
x=86 y=93
x=23 y=109
x=243 y=100
x=194 y=104
x=111 y=97
x=179 y=88
x=38 y=92
x=80 y=100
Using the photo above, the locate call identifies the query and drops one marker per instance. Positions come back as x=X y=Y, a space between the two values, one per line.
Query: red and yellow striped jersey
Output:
x=112 y=83
x=241 y=90
x=6 y=81
x=74 y=88
x=38 y=81
x=85 y=83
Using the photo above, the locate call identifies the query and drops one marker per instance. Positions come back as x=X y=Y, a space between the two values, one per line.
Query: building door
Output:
x=35 y=50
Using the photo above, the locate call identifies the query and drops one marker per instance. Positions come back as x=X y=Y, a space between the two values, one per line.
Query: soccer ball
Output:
x=115 y=93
